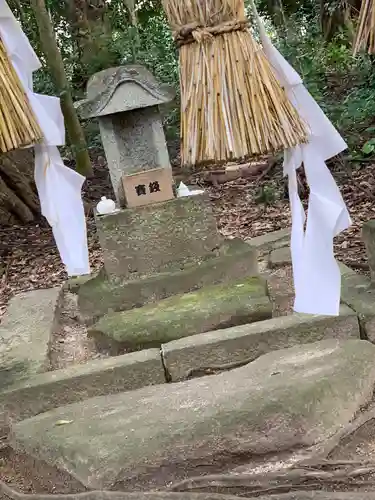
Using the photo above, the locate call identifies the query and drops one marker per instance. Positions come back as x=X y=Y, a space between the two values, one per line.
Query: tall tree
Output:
x=91 y=33
x=56 y=67
x=336 y=15
x=133 y=28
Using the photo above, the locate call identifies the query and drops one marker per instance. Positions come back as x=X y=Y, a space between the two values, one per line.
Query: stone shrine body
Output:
x=126 y=102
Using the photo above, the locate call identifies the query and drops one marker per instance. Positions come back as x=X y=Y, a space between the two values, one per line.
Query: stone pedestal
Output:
x=164 y=237
x=155 y=245
x=99 y=295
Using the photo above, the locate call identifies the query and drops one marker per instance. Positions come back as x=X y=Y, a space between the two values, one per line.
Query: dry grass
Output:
x=232 y=105
x=18 y=125
x=365 y=36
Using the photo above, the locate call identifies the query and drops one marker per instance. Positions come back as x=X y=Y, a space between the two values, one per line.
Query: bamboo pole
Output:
x=365 y=35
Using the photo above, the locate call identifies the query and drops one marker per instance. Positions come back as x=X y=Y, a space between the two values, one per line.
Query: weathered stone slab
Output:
x=353 y=282
x=147 y=438
x=248 y=342
x=270 y=241
x=280 y=257
x=368 y=236
x=209 y=308
x=49 y=390
x=25 y=334
x=98 y=296
x=359 y=294
x=364 y=305
x=151 y=239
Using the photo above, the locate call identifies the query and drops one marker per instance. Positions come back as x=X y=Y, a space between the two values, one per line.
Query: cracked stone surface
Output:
x=25 y=333
x=146 y=438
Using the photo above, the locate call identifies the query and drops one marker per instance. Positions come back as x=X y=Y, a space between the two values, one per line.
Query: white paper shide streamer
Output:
x=317 y=278
x=59 y=187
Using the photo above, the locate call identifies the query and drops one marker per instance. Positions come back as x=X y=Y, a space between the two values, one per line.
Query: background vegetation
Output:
x=91 y=35
x=314 y=37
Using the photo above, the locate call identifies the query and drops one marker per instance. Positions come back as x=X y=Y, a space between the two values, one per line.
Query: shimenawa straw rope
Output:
x=18 y=125
x=232 y=106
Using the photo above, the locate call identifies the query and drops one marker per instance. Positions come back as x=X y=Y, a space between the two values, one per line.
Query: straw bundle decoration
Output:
x=18 y=125
x=365 y=35
x=232 y=106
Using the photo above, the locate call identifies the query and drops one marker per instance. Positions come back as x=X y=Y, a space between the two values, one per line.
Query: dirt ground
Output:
x=32 y=476
x=70 y=344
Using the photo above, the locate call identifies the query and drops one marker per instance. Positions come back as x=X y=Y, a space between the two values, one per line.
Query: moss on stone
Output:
x=210 y=308
x=99 y=296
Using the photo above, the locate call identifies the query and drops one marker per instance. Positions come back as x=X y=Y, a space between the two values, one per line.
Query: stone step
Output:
x=209 y=308
x=145 y=439
x=98 y=296
x=280 y=257
x=25 y=333
x=271 y=241
x=45 y=391
x=246 y=343
x=358 y=293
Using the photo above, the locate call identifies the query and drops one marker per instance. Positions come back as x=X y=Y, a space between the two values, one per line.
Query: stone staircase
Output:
x=186 y=404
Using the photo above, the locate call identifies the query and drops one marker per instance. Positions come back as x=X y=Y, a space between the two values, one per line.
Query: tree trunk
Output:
x=19 y=202
x=135 y=38
x=92 y=34
x=335 y=16
x=56 y=66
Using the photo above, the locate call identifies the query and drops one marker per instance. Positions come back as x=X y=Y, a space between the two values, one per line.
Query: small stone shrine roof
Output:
x=120 y=89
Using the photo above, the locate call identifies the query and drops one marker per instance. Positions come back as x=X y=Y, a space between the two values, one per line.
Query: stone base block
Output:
x=163 y=237
x=271 y=241
x=99 y=296
x=280 y=257
x=45 y=391
x=210 y=308
x=25 y=333
x=246 y=343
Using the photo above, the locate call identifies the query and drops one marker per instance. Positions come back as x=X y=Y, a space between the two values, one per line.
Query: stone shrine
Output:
x=201 y=383
x=126 y=101
x=156 y=245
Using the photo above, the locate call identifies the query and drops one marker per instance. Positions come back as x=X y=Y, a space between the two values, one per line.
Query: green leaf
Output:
x=368 y=148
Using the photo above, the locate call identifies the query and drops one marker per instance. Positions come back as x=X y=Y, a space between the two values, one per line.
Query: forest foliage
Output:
x=314 y=36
